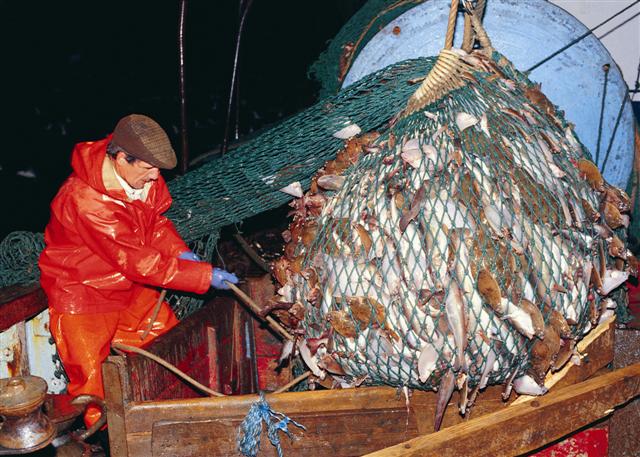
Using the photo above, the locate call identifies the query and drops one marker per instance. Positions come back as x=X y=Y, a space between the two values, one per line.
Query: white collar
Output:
x=133 y=194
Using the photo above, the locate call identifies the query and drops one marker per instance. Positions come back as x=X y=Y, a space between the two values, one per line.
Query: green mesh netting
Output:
x=247 y=181
x=463 y=240
x=19 y=253
x=333 y=64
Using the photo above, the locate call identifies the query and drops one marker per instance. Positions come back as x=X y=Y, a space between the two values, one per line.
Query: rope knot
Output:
x=251 y=428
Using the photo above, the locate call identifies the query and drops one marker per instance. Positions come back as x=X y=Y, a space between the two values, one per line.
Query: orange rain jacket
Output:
x=102 y=248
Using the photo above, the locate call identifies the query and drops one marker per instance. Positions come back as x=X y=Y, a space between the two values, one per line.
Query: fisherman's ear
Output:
x=121 y=158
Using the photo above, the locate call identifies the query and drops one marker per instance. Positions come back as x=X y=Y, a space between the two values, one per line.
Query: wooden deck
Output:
x=340 y=423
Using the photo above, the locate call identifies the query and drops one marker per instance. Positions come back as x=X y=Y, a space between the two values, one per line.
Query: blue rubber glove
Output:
x=190 y=255
x=220 y=276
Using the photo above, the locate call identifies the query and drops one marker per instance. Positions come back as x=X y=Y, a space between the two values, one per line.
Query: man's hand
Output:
x=190 y=255
x=220 y=276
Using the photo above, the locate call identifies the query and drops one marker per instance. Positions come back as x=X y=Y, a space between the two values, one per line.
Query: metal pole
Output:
x=244 y=9
x=183 y=96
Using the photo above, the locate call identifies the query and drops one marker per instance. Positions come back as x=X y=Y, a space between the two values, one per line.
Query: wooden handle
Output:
x=256 y=309
x=154 y=315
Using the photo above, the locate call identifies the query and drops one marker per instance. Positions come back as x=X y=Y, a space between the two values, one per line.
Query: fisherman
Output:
x=109 y=249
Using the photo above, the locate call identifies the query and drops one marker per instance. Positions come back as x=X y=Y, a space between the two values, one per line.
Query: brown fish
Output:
x=313 y=296
x=559 y=324
x=309 y=232
x=279 y=269
x=591 y=213
x=490 y=290
x=541 y=102
x=618 y=198
x=596 y=279
x=416 y=205
x=617 y=248
x=612 y=215
x=564 y=355
x=329 y=363
x=541 y=358
x=589 y=171
x=445 y=390
x=536 y=317
x=311 y=275
x=342 y=323
x=365 y=238
x=295 y=265
x=362 y=308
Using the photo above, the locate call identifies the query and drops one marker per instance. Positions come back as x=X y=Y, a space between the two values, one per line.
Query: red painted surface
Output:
x=634 y=304
x=267 y=346
x=593 y=442
x=268 y=349
x=19 y=303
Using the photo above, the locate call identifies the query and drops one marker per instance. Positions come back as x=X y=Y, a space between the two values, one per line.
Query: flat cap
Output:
x=143 y=138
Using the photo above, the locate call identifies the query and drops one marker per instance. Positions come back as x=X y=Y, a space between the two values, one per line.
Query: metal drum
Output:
x=526 y=32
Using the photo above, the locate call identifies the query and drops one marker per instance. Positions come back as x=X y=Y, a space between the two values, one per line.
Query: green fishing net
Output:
x=471 y=238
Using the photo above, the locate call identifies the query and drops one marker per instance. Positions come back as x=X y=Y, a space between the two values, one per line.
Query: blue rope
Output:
x=251 y=428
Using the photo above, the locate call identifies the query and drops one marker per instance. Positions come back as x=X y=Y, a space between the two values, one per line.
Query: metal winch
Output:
x=25 y=426
x=31 y=420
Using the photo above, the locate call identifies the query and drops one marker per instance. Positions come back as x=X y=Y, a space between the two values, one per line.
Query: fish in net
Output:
x=468 y=241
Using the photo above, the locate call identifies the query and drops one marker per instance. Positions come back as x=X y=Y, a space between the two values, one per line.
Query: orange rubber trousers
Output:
x=84 y=340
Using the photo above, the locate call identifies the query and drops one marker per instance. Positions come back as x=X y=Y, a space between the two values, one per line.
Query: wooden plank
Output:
x=142 y=415
x=528 y=426
x=624 y=426
x=233 y=329
x=342 y=434
x=19 y=303
x=375 y=405
x=212 y=359
x=114 y=373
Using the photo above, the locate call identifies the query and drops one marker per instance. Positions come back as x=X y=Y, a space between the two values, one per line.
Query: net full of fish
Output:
x=470 y=242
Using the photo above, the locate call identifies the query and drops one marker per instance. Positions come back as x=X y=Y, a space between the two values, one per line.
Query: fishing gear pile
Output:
x=468 y=242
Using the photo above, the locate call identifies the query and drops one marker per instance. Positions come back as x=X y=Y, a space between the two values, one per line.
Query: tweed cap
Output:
x=141 y=137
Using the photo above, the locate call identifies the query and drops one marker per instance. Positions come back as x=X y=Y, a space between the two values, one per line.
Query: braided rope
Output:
x=442 y=78
x=469 y=38
x=451 y=24
x=480 y=32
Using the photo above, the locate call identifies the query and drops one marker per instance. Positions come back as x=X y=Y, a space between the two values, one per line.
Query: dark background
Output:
x=71 y=69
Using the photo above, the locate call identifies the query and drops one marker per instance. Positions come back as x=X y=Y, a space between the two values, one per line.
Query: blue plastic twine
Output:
x=251 y=428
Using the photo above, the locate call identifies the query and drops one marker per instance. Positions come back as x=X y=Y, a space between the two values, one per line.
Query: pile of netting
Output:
x=469 y=241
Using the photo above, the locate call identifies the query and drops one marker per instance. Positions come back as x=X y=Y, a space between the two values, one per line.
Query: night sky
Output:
x=71 y=69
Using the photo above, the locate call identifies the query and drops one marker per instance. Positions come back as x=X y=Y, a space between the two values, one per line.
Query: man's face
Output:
x=136 y=173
